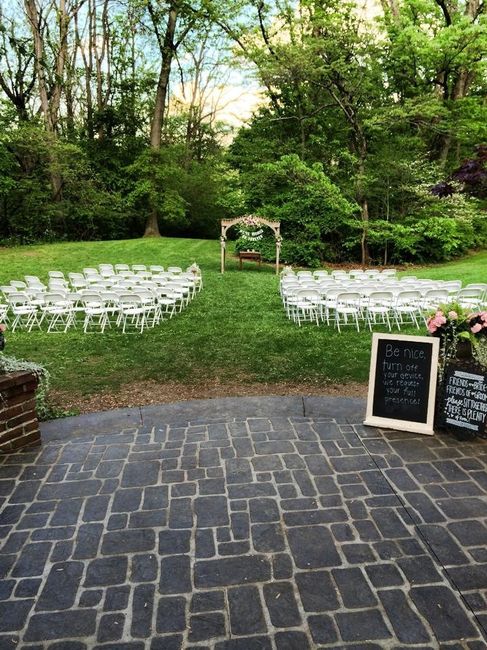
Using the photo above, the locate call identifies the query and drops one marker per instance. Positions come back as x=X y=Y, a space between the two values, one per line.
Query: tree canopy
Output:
x=368 y=141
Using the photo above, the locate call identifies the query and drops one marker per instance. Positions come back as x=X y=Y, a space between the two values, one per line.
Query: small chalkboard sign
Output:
x=402 y=382
x=462 y=407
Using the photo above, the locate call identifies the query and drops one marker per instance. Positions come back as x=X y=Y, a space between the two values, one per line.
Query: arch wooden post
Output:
x=228 y=223
x=222 y=253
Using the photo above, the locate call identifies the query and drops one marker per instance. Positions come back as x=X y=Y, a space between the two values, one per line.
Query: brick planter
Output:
x=19 y=426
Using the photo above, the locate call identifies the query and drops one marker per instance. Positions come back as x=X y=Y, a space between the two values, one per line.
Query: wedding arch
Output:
x=275 y=226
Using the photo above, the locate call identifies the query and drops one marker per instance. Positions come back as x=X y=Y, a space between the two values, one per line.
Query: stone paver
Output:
x=282 y=532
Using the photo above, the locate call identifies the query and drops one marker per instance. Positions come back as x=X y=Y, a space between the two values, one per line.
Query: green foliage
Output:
x=83 y=209
x=189 y=196
x=309 y=206
x=431 y=239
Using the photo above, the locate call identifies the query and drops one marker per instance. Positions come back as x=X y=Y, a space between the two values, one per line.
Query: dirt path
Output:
x=151 y=392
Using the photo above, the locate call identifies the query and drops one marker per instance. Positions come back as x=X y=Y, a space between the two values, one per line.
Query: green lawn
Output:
x=235 y=329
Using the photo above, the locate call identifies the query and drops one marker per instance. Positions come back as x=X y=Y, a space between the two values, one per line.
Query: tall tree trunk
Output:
x=87 y=57
x=163 y=81
x=61 y=60
x=361 y=146
x=50 y=117
x=167 y=53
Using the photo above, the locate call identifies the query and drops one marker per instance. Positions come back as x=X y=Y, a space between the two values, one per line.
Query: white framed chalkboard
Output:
x=402 y=382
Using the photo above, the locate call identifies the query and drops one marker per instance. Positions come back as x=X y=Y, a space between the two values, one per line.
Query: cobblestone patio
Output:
x=242 y=533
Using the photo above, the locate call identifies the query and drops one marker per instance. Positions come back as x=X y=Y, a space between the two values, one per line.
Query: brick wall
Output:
x=19 y=426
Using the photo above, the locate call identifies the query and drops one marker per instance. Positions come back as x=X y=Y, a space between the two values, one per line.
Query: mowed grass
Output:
x=234 y=331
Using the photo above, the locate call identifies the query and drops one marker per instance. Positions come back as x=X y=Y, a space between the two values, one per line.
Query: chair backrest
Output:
x=126 y=284
x=308 y=294
x=18 y=298
x=408 y=297
x=53 y=297
x=79 y=283
x=156 y=268
x=380 y=298
x=56 y=274
x=478 y=285
x=438 y=295
x=122 y=267
x=129 y=299
x=18 y=284
x=139 y=267
x=348 y=298
x=470 y=292
x=452 y=285
x=8 y=289
x=174 y=269
x=60 y=282
x=91 y=298
x=33 y=280
x=111 y=297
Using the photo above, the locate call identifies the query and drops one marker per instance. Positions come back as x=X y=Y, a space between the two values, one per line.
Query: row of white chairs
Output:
x=129 y=302
x=446 y=291
x=60 y=311
x=342 y=306
x=361 y=274
x=105 y=277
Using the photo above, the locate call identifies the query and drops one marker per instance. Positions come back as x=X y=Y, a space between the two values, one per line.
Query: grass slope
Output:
x=234 y=330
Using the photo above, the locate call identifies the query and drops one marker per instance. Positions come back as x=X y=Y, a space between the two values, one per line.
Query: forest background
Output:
x=368 y=142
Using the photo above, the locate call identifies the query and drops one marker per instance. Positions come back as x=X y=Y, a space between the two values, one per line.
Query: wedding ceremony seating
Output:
x=132 y=298
x=370 y=297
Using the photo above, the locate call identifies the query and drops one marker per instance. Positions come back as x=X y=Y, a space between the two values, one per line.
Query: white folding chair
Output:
x=408 y=308
x=472 y=297
x=378 y=308
x=35 y=282
x=4 y=313
x=328 y=302
x=149 y=301
x=111 y=300
x=25 y=314
x=433 y=298
x=96 y=312
x=289 y=297
x=307 y=306
x=132 y=312
x=166 y=301
x=58 y=311
x=347 y=309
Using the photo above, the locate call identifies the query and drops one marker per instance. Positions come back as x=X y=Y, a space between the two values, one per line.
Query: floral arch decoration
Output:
x=249 y=220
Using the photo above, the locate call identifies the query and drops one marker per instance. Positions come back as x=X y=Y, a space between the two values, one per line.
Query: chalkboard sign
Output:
x=462 y=406
x=402 y=382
